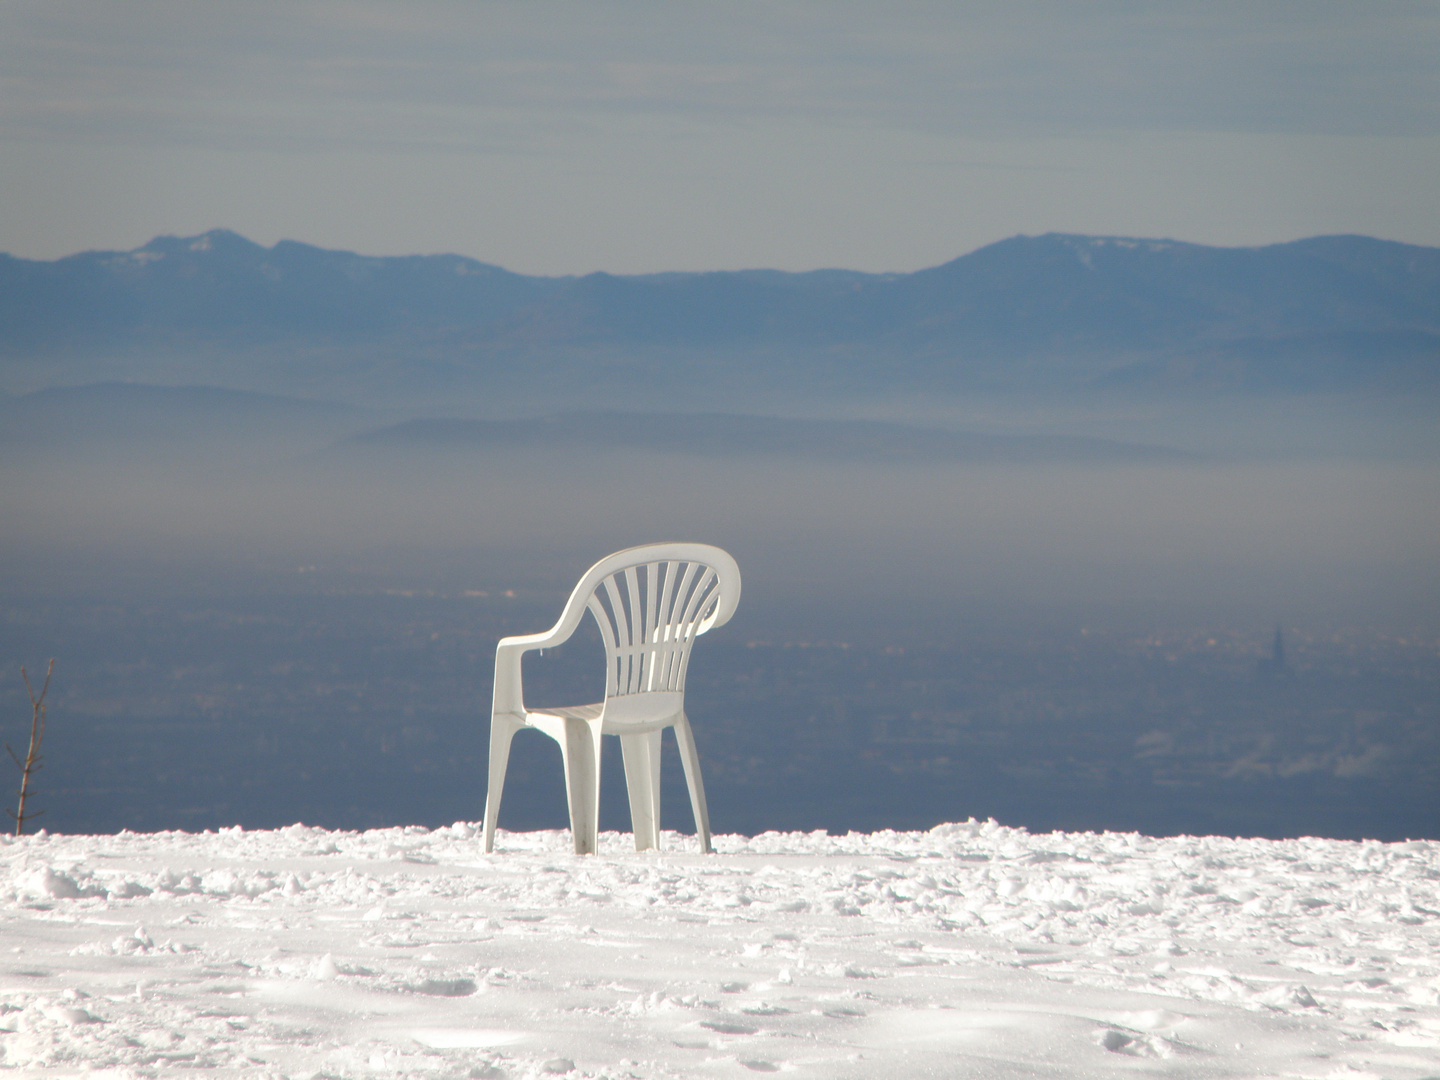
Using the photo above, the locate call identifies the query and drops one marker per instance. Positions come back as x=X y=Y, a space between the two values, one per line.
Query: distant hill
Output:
x=1048 y=313
x=739 y=437
x=187 y=419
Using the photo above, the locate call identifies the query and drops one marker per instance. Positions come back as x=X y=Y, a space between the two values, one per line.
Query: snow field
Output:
x=969 y=950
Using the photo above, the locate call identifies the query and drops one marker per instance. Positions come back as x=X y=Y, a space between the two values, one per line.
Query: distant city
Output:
x=363 y=707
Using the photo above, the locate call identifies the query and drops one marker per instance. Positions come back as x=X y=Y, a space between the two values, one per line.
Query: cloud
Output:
x=464 y=76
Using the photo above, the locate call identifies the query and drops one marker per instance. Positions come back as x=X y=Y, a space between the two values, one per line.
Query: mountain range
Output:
x=1047 y=314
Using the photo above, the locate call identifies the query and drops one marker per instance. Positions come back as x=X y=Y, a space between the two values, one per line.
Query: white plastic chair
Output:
x=650 y=603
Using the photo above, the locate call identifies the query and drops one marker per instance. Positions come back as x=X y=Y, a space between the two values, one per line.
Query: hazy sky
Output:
x=560 y=138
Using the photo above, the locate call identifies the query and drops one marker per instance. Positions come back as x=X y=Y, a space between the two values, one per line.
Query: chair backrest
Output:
x=650 y=604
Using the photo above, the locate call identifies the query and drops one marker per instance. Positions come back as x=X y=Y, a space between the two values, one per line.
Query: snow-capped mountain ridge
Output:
x=1056 y=312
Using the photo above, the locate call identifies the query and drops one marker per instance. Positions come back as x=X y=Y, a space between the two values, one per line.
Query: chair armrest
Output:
x=509 y=696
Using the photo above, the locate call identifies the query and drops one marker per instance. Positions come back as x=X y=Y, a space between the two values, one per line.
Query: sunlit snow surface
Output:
x=972 y=950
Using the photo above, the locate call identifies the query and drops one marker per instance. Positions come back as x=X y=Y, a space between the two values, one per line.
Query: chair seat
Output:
x=614 y=725
x=570 y=712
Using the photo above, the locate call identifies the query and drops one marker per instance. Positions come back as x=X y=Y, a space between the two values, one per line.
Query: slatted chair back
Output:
x=649 y=615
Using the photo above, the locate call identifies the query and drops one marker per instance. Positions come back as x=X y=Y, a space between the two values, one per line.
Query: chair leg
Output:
x=502 y=730
x=642 y=782
x=580 y=750
x=691 y=760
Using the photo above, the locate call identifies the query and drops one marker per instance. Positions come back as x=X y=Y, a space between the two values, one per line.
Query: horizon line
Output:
x=1101 y=238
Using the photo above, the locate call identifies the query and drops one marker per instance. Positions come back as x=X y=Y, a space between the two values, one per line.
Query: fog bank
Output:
x=1248 y=539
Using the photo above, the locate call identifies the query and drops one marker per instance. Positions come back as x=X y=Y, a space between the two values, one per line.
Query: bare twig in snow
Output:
x=31 y=764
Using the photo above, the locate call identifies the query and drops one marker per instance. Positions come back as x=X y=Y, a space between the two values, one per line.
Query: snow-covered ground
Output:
x=970 y=950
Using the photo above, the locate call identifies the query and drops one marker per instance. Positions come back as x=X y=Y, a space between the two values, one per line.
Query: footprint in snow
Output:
x=444 y=987
x=728 y=1027
x=764 y=1008
x=1134 y=1044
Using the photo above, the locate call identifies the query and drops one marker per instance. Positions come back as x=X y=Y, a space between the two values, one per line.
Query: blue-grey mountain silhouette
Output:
x=1048 y=313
